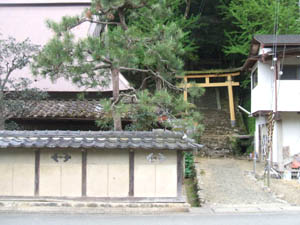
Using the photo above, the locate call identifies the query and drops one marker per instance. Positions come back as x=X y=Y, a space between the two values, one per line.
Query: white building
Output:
x=274 y=63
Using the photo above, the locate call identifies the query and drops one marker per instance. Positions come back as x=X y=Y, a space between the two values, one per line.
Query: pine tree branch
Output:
x=122 y=19
x=102 y=67
x=157 y=75
x=9 y=71
x=122 y=95
x=143 y=82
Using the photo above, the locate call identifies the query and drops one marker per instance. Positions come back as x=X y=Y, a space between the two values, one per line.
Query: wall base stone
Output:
x=90 y=207
x=199 y=182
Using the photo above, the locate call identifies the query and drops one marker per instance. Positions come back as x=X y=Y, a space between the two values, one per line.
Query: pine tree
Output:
x=132 y=36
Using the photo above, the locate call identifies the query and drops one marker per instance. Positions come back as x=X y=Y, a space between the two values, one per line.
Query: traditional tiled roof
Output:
x=157 y=140
x=60 y=109
x=288 y=39
x=291 y=41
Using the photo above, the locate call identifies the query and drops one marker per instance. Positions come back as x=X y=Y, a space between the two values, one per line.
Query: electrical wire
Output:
x=275 y=43
x=280 y=71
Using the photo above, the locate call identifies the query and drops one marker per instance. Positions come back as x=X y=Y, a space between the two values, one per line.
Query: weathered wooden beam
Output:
x=231 y=100
x=194 y=74
x=207 y=80
x=221 y=84
x=185 y=94
x=131 y=173
x=84 y=173
x=37 y=173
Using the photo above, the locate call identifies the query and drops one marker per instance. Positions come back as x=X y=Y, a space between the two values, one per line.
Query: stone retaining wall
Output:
x=199 y=182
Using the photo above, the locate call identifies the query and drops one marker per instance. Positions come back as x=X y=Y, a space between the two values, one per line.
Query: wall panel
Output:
x=17 y=172
x=107 y=173
x=157 y=178
x=62 y=178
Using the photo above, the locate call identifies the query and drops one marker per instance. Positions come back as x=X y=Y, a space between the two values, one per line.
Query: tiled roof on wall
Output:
x=157 y=140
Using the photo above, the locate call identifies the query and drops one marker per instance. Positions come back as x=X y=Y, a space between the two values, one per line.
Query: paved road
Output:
x=179 y=219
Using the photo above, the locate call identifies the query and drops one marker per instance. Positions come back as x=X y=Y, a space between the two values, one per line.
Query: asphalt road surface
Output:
x=171 y=219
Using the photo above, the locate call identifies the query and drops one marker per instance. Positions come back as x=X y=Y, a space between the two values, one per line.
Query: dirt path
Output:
x=226 y=182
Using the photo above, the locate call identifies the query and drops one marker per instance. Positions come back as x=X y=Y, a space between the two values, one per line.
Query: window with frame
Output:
x=254 y=78
x=290 y=72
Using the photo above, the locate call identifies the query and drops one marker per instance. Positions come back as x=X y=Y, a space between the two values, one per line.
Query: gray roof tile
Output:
x=288 y=39
x=59 y=109
x=157 y=139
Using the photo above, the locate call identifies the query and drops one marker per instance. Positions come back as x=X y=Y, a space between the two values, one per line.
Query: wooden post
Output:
x=207 y=80
x=231 y=100
x=185 y=95
x=83 y=175
x=179 y=173
x=131 y=173
x=37 y=173
x=259 y=143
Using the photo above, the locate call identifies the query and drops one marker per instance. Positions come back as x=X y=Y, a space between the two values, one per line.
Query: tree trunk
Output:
x=158 y=84
x=2 y=119
x=116 y=91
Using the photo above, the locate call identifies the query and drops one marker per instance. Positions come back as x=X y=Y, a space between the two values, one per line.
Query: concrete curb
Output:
x=245 y=209
x=91 y=207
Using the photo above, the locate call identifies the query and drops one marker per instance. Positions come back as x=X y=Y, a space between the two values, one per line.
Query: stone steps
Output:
x=217 y=132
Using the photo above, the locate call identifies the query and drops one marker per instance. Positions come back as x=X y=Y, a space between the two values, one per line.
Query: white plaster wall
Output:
x=17 y=172
x=262 y=94
x=156 y=179
x=286 y=133
x=288 y=95
x=60 y=178
x=291 y=132
x=289 y=90
x=108 y=173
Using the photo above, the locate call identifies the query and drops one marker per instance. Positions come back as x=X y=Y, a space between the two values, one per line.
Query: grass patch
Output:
x=191 y=192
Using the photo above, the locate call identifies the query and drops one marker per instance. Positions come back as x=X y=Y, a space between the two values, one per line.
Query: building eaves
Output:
x=291 y=41
x=155 y=140
x=269 y=40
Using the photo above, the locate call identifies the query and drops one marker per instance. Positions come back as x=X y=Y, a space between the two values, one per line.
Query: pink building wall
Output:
x=22 y=19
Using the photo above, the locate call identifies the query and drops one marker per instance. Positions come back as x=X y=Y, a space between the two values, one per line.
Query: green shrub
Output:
x=189 y=165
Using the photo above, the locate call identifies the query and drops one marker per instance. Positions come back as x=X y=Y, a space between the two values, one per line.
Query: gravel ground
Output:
x=228 y=182
x=287 y=190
